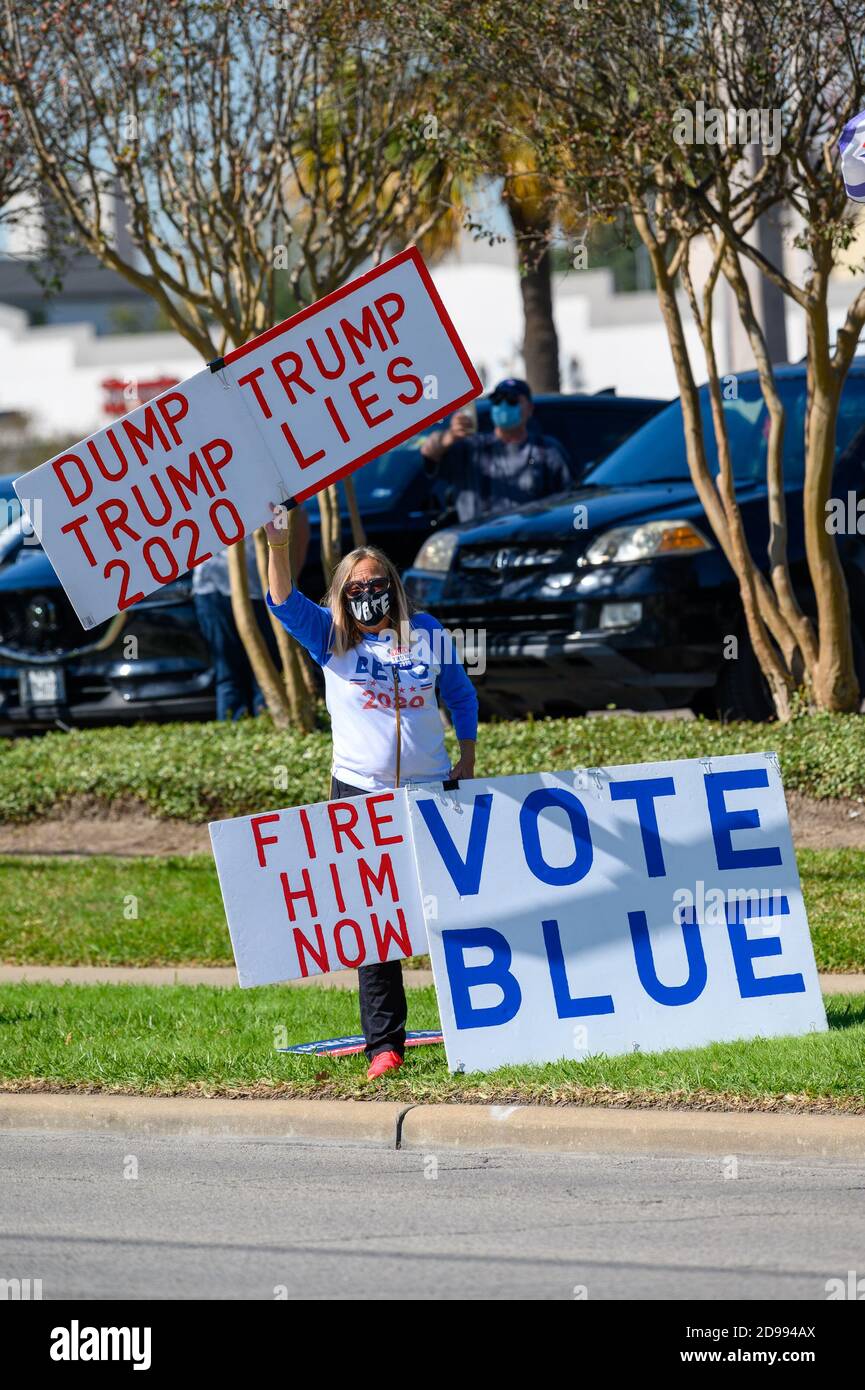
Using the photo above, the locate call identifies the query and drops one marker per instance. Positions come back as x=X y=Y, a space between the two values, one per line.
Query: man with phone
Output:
x=495 y=472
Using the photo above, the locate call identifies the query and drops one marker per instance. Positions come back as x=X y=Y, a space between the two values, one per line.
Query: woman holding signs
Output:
x=381 y=665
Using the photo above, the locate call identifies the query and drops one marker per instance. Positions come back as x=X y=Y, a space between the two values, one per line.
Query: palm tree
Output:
x=531 y=209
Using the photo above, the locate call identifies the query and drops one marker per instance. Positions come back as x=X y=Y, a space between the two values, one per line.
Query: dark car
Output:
x=401 y=505
x=618 y=594
x=151 y=662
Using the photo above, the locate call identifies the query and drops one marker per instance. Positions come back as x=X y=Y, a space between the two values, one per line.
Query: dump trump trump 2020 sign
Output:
x=318 y=888
x=614 y=910
x=164 y=488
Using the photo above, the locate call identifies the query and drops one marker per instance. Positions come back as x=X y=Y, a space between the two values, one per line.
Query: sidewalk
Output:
x=226 y=975
x=222 y=975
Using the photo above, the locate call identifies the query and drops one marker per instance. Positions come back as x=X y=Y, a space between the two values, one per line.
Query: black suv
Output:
x=617 y=594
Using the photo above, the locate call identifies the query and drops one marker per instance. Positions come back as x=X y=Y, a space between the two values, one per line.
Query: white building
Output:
x=53 y=374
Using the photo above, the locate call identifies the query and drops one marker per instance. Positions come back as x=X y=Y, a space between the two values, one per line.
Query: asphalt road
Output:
x=221 y=1218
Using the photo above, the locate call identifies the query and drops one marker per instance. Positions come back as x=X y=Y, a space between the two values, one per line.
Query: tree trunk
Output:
x=768 y=300
x=835 y=683
x=541 y=343
x=299 y=697
x=540 y=340
x=358 y=534
x=794 y=633
x=718 y=500
x=331 y=531
x=253 y=641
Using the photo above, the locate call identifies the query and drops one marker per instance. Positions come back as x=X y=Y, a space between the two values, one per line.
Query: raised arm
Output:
x=436 y=445
x=308 y=622
x=458 y=694
x=278 y=555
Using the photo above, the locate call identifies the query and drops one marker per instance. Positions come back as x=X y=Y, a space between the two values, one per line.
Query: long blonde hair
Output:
x=346 y=632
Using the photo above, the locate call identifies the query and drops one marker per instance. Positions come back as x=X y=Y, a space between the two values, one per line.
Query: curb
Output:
x=842 y=984
x=354 y=1120
x=395 y=1125
x=590 y=1129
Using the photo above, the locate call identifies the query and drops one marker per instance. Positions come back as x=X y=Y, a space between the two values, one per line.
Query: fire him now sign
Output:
x=310 y=889
x=161 y=490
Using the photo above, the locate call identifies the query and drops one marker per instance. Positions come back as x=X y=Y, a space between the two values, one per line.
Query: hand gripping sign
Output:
x=605 y=910
x=162 y=489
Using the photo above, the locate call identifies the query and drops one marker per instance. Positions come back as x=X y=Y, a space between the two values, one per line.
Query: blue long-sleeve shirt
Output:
x=360 y=692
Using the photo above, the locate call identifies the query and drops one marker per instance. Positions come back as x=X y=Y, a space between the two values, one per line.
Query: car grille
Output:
x=41 y=622
x=509 y=619
x=509 y=559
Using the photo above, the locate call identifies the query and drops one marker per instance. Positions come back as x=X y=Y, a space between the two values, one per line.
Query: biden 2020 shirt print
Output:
x=365 y=685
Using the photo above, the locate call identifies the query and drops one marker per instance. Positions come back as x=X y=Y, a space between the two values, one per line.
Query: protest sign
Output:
x=317 y=888
x=357 y=373
x=614 y=910
x=162 y=489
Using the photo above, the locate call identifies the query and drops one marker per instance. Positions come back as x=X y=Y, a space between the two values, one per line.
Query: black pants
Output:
x=383 y=1008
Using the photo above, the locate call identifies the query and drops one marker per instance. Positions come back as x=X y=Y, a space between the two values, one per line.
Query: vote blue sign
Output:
x=617 y=909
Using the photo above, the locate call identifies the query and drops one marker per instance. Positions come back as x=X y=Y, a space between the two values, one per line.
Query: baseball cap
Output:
x=511 y=386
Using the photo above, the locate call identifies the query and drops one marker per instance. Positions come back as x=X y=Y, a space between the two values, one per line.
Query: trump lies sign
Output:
x=159 y=491
x=613 y=910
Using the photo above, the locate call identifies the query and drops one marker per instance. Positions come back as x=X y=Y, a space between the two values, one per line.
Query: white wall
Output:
x=55 y=373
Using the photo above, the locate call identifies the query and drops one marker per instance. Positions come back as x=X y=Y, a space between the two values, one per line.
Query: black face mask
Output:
x=371 y=604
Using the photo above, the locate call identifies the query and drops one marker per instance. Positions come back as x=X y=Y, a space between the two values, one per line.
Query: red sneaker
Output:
x=382 y=1062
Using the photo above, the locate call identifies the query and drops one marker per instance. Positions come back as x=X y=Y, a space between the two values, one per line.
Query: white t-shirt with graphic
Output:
x=361 y=696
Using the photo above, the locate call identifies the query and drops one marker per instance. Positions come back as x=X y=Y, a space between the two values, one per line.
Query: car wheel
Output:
x=859 y=657
x=741 y=690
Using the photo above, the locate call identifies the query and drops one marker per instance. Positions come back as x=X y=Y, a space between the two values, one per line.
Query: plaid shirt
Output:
x=489 y=476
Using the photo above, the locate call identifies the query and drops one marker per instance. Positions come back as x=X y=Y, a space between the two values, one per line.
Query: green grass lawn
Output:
x=167 y=911
x=109 y=911
x=205 y=771
x=198 y=1040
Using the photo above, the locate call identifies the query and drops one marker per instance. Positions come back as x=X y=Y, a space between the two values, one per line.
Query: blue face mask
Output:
x=506 y=416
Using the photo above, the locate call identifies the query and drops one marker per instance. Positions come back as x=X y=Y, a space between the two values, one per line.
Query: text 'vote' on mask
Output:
x=370 y=608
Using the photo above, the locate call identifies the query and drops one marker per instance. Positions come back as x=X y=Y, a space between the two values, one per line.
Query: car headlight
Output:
x=625 y=544
x=436 y=552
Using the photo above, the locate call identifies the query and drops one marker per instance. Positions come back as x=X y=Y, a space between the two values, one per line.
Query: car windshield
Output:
x=389 y=474
x=656 y=453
